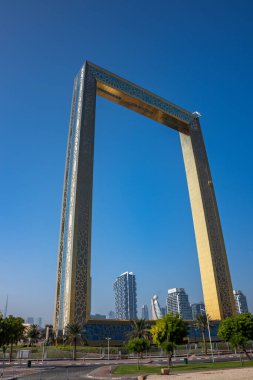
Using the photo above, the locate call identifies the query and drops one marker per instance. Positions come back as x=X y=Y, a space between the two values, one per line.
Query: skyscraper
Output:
x=125 y=296
x=240 y=302
x=178 y=303
x=155 y=308
x=144 y=312
x=39 y=321
x=197 y=309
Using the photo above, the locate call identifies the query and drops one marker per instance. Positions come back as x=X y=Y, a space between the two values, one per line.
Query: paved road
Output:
x=67 y=370
x=61 y=373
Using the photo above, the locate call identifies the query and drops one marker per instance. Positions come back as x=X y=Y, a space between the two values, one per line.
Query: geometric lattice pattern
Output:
x=72 y=302
x=125 y=296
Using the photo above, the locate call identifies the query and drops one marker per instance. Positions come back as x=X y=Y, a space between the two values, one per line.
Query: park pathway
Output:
x=226 y=374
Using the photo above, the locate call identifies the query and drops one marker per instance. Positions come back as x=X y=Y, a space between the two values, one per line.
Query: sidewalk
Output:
x=104 y=373
x=227 y=374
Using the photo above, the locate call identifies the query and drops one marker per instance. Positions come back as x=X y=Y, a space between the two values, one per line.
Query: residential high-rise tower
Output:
x=240 y=302
x=197 y=309
x=178 y=303
x=125 y=296
x=144 y=312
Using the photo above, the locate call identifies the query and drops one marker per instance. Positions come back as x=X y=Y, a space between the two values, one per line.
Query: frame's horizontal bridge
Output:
x=140 y=100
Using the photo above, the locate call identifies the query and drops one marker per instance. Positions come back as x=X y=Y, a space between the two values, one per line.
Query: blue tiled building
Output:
x=96 y=331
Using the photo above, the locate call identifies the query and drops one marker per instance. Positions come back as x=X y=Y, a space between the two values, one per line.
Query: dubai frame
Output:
x=72 y=302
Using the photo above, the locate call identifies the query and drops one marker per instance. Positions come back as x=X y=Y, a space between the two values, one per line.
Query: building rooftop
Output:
x=175 y=290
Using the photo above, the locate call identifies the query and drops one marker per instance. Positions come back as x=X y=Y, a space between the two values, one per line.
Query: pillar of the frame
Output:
x=74 y=297
x=214 y=270
x=80 y=284
x=59 y=294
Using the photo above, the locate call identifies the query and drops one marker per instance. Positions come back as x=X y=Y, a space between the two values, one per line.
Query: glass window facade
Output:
x=125 y=296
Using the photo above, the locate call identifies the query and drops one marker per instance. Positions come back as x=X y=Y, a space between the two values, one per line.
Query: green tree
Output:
x=1 y=330
x=33 y=334
x=140 y=329
x=168 y=332
x=73 y=331
x=237 y=330
x=13 y=331
x=2 y=334
x=201 y=323
x=138 y=346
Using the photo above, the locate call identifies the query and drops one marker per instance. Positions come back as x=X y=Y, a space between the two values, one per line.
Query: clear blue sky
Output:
x=197 y=54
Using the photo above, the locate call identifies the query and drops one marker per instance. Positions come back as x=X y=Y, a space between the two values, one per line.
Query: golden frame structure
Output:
x=72 y=302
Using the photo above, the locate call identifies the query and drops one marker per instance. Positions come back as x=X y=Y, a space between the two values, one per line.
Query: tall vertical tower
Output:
x=125 y=296
x=144 y=312
x=155 y=308
x=197 y=309
x=178 y=303
x=240 y=302
x=72 y=301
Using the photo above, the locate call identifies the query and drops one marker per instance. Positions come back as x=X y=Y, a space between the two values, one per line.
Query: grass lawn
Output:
x=59 y=351
x=126 y=369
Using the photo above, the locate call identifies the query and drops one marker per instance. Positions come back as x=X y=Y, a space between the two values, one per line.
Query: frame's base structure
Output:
x=96 y=331
x=73 y=277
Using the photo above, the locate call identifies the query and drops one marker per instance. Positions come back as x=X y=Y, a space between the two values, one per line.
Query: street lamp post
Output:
x=44 y=350
x=108 y=347
x=209 y=333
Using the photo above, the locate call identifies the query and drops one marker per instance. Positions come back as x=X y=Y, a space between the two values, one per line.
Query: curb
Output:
x=111 y=377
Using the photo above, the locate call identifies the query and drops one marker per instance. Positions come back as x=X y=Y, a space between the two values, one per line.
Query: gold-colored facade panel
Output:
x=204 y=253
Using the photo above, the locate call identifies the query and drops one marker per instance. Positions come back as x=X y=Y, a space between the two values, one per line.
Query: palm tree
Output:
x=73 y=331
x=140 y=329
x=33 y=334
x=201 y=323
